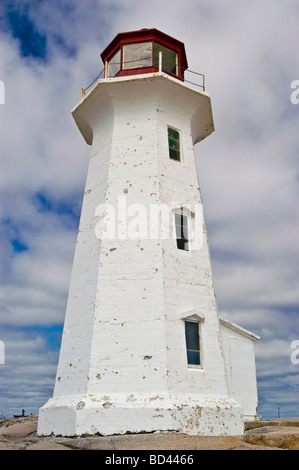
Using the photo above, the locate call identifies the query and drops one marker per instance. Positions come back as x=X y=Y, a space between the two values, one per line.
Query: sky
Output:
x=248 y=172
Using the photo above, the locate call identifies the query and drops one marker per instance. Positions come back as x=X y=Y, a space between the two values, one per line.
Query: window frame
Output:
x=191 y=365
x=139 y=66
x=179 y=140
x=111 y=63
x=186 y=240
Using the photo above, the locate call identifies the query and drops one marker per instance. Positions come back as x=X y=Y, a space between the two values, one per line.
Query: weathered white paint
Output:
x=239 y=356
x=123 y=364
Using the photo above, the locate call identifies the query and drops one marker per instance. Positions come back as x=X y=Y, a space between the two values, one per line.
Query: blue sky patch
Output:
x=45 y=203
x=31 y=42
x=12 y=233
x=68 y=50
x=18 y=246
x=68 y=210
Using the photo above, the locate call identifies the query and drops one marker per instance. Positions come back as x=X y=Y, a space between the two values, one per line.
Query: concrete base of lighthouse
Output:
x=119 y=414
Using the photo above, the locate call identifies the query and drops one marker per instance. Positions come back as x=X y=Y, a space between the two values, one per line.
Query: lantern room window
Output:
x=137 y=55
x=114 y=64
x=169 y=59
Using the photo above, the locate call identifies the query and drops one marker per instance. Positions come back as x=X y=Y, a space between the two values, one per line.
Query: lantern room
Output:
x=144 y=51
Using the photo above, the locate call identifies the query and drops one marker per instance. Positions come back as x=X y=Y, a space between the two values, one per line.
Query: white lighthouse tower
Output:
x=142 y=348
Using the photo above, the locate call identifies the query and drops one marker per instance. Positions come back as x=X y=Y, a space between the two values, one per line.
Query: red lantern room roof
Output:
x=138 y=52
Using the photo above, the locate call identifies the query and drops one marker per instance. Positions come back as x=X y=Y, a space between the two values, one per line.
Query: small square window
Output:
x=174 y=144
x=181 y=231
x=192 y=343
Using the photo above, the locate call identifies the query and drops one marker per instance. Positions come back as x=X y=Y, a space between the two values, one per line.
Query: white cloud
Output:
x=26 y=382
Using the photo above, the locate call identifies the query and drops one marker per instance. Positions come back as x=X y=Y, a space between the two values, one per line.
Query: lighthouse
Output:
x=143 y=348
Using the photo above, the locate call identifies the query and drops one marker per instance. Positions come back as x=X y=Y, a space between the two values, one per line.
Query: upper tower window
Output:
x=174 y=144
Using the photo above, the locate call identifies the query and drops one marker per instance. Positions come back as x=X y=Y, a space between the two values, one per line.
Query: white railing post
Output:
x=160 y=61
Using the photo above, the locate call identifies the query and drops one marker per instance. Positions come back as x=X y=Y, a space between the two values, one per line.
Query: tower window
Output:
x=174 y=144
x=181 y=230
x=192 y=343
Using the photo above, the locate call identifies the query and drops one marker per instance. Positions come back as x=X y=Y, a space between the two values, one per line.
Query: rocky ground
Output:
x=279 y=434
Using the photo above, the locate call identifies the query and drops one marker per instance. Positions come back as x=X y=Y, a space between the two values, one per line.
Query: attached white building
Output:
x=143 y=348
x=239 y=359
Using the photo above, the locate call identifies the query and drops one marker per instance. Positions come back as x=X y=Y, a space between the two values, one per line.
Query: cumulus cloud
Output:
x=248 y=170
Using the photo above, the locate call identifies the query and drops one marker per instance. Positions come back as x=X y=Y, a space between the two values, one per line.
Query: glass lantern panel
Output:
x=114 y=64
x=137 y=55
x=169 y=58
